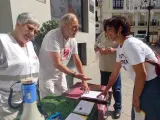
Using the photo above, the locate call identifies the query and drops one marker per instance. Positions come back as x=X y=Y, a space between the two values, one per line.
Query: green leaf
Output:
x=46 y=27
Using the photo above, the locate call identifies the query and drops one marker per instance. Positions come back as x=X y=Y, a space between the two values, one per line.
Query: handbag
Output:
x=156 y=64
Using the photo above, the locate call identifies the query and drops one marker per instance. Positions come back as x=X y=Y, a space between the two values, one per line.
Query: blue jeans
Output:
x=116 y=89
x=150 y=100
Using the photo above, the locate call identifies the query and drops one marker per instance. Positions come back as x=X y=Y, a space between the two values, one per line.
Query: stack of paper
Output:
x=91 y=94
x=92 y=97
x=73 y=116
x=84 y=107
x=140 y=116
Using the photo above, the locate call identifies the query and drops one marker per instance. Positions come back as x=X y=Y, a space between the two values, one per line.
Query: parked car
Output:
x=141 y=37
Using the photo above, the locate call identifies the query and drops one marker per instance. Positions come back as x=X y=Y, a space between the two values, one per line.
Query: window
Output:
x=153 y=33
x=157 y=6
x=132 y=33
x=61 y=7
x=140 y=36
x=96 y=16
x=97 y=25
x=82 y=53
x=96 y=3
x=91 y=6
x=118 y=4
x=141 y=32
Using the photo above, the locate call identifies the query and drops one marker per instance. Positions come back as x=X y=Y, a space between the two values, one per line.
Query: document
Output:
x=91 y=94
x=84 y=107
x=73 y=116
x=140 y=116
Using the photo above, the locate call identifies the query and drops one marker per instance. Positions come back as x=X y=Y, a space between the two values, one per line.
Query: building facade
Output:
x=45 y=10
x=85 y=11
x=9 y=10
x=135 y=12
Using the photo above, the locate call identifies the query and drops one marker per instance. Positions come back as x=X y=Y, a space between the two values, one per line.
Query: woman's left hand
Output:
x=136 y=104
x=111 y=50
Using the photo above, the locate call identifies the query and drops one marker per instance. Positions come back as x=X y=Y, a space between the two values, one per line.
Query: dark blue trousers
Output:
x=116 y=89
x=150 y=100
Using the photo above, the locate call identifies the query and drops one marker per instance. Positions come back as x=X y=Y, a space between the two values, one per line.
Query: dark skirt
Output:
x=150 y=100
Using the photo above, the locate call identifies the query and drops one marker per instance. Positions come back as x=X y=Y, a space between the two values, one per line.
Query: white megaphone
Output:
x=30 y=109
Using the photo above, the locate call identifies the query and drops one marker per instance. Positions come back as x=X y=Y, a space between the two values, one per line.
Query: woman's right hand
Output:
x=104 y=93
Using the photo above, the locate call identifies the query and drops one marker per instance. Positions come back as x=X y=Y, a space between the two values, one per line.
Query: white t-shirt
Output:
x=134 y=52
x=54 y=42
x=3 y=60
x=15 y=64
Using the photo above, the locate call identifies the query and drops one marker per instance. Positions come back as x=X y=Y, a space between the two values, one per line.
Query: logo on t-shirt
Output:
x=123 y=60
x=66 y=53
x=35 y=57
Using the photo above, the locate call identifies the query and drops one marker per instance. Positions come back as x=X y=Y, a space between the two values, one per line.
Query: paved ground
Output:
x=156 y=48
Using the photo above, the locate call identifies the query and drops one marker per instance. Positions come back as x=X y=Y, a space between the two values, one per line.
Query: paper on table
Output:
x=140 y=116
x=91 y=94
x=84 y=107
x=73 y=116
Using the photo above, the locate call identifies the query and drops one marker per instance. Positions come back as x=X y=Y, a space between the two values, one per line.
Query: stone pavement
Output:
x=92 y=70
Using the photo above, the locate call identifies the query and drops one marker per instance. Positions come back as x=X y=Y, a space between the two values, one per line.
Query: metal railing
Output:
x=142 y=23
x=132 y=23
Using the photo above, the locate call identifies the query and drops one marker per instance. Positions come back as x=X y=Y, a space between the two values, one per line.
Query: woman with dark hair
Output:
x=131 y=55
x=107 y=59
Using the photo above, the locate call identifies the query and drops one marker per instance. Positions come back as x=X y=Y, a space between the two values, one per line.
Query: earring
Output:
x=119 y=34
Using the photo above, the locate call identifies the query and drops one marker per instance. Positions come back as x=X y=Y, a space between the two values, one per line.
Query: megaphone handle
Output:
x=10 y=98
x=55 y=115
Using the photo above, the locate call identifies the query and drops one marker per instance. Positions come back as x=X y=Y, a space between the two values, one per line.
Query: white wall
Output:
x=88 y=36
x=5 y=16
x=91 y=40
x=39 y=9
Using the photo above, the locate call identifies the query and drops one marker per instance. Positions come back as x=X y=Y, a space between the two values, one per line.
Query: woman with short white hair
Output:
x=18 y=60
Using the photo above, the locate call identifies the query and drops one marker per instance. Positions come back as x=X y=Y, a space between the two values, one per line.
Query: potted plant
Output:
x=46 y=27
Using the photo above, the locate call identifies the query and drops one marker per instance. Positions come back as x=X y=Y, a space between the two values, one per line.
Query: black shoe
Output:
x=117 y=114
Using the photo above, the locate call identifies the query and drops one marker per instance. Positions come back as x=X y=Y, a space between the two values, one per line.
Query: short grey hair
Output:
x=26 y=17
x=67 y=19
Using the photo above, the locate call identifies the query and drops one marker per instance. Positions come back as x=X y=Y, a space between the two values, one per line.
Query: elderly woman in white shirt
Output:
x=17 y=60
x=131 y=55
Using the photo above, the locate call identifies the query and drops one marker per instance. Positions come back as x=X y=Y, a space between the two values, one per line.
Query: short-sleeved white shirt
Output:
x=3 y=61
x=54 y=42
x=134 y=52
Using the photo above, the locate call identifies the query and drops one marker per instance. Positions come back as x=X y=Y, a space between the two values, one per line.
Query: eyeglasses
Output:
x=75 y=27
